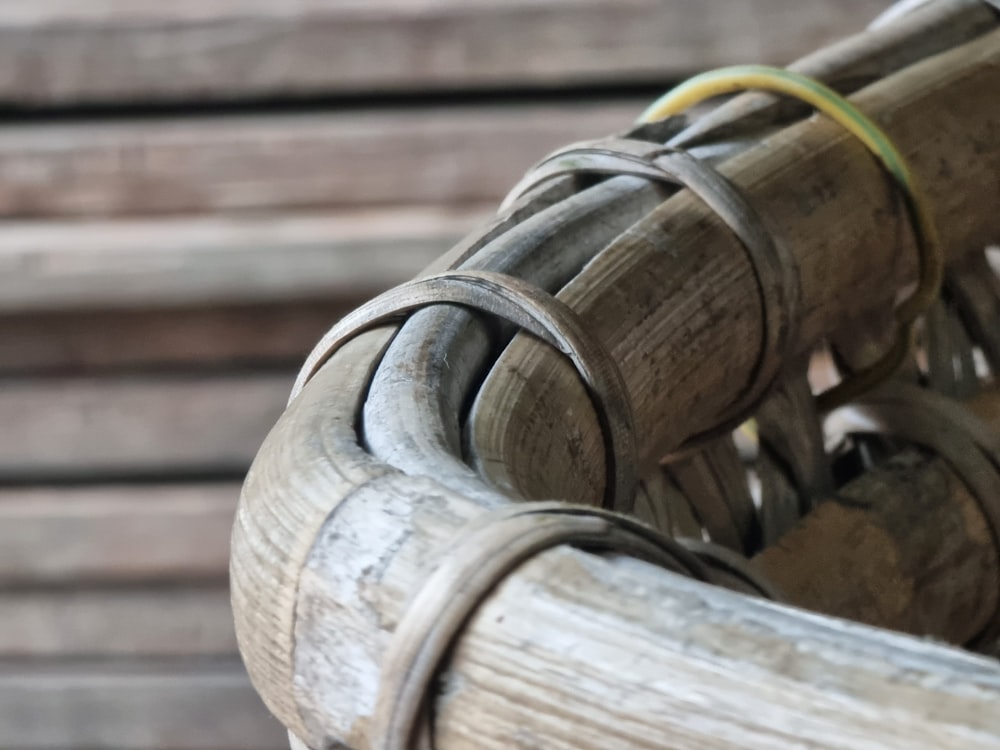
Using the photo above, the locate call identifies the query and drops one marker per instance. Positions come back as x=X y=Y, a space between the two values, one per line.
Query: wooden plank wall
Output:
x=191 y=192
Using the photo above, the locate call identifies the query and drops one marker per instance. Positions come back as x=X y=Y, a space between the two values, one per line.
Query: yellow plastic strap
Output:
x=829 y=102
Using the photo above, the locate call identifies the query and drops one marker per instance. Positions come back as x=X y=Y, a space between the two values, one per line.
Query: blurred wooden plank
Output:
x=66 y=265
x=130 y=427
x=115 y=534
x=95 y=341
x=133 y=706
x=68 y=51
x=417 y=156
x=116 y=622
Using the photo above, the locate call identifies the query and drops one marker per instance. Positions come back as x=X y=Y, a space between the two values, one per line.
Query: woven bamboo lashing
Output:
x=420 y=558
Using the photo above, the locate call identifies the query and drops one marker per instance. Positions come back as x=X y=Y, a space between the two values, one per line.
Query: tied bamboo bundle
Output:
x=420 y=555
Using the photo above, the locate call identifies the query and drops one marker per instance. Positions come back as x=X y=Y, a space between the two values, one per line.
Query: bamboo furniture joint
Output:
x=696 y=445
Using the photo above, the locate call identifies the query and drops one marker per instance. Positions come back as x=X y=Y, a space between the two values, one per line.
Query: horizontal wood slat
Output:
x=102 y=341
x=47 y=266
x=453 y=155
x=64 y=51
x=120 y=533
x=110 y=427
x=117 y=622
x=133 y=706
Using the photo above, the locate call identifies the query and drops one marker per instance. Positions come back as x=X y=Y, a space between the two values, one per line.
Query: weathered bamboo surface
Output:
x=192 y=193
x=862 y=555
x=615 y=205
x=686 y=351
x=62 y=51
x=317 y=593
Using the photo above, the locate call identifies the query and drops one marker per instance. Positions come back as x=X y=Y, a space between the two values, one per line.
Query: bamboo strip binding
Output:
x=313 y=491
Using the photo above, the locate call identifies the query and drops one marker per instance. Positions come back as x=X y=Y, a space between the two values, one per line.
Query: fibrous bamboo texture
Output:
x=375 y=467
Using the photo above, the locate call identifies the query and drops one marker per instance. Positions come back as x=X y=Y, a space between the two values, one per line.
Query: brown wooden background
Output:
x=191 y=192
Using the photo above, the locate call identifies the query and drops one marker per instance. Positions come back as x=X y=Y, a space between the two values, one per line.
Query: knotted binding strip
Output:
x=537 y=312
x=483 y=554
x=773 y=267
x=829 y=102
x=966 y=443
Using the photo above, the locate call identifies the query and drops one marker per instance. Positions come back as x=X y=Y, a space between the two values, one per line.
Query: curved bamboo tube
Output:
x=438 y=372
x=836 y=186
x=330 y=540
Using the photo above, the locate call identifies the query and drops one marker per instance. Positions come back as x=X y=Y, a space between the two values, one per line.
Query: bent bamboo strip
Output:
x=439 y=357
x=672 y=294
x=568 y=629
x=313 y=636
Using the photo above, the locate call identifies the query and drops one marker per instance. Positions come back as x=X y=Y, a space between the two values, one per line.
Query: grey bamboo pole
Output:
x=330 y=541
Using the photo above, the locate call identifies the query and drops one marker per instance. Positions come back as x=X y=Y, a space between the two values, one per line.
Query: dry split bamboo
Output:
x=361 y=486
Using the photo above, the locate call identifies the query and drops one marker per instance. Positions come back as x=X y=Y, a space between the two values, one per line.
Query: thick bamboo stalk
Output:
x=440 y=356
x=317 y=594
x=904 y=546
x=687 y=666
x=671 y=296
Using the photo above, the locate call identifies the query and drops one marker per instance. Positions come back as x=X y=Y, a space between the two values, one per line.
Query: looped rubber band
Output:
x=482 y=555
x=537 y=312
x=829 y=102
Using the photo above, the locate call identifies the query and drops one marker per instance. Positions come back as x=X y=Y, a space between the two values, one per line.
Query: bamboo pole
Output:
x=687 y=665
x=317 y=594
x=440 y=356
x=670 y=296
x=905 y=547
